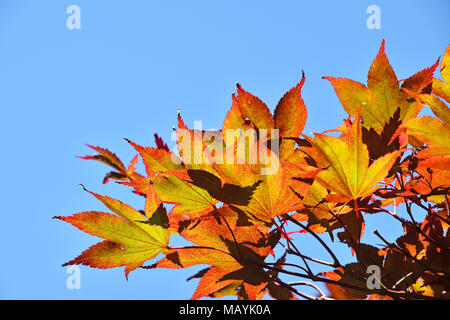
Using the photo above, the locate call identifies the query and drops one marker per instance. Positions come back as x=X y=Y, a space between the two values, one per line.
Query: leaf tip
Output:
x=84 y=188
x=302 y=81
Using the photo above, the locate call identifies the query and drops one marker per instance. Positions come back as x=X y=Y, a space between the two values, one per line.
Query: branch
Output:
x=311 y=259
x=417 y=226
x=292 y=289
x=336 y=264
x=323 y=296
x=309 y=271
x=393 y=294
x=408 y=255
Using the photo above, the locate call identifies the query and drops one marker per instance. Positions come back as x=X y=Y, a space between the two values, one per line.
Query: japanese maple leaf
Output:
x=233 y=248
x=346 y=169
x=318 y=211
x=382 y=96
x=274 y=171
x=289 y=118
x=131 y=238
x=433 y=161
x=187 y=198
x=247 y=111
x=156 y=160
x=169 y=188
x=272 y=194
x=434 y=132
x=441 y=88
x=194 y=145
x=107 y=157
x=354 y=275
x=405 y=260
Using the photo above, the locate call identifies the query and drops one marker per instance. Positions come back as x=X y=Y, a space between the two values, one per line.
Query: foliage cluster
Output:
x=385 y=159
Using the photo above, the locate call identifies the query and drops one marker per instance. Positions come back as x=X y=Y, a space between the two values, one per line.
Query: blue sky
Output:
x=125 y=72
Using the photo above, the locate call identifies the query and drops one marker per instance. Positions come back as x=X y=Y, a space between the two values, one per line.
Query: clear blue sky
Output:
x=125 y=72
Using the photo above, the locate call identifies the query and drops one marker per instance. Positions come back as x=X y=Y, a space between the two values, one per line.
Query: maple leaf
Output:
x=107 y=157
x=434 y=175
x=234 y=250
x=382 y=96
x=157 y=160
x=353 y=274
x=131 y=238
x=290 y=117
x=433 y=162
x=318 y=212
x=247 y=111
x=346 y=164
x=441 y=88
x=160 y=144
x=126 y=176
x=274 y=194
x=382 y=143
x=435 y=132
x=188 y=199
x=224 y=192
x=419 y=259
x=276 y=290
x=346 y=172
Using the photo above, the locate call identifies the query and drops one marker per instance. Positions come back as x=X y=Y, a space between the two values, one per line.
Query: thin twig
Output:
x=287 y=264
x=309 y=271
x=337 y=264
x=301 y=294
x=402 y=279
x=323 y=296
x=330 y=264
x=447 y=206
